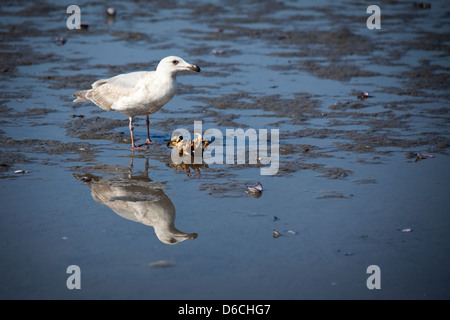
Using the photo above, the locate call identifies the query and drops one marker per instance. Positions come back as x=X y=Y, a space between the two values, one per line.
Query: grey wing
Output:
x=99 y=83
x=106 y=92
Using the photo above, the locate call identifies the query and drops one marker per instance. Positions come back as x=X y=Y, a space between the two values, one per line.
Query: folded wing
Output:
x=106 y=92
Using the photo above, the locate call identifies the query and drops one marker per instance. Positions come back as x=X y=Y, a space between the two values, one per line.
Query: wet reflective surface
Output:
x=139 y=199
x=363 y=179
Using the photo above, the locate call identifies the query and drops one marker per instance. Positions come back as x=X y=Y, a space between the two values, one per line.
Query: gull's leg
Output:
x=147 y=122
x=133 y=146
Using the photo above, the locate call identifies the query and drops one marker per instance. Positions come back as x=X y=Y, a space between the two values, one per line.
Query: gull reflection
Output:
x=136 y=198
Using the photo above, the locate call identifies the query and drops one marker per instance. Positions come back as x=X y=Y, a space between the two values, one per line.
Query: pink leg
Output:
x=147 y=122
x=133 y=146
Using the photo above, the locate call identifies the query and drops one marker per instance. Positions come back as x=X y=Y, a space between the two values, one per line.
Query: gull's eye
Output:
x=175 y=62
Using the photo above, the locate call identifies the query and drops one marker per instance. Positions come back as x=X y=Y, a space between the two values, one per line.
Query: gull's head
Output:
x=174 y=64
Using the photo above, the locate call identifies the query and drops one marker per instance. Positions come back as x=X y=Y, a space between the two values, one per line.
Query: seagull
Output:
x=137 y=93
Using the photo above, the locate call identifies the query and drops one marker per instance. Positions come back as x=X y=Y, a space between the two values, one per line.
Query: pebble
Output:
x=364 y=95
x=110 y=11
x=86 y=179
x=422 y=5
x=60 y=41
x=217 y=52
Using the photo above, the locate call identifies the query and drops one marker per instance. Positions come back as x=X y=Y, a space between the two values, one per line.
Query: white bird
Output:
x=137 y=93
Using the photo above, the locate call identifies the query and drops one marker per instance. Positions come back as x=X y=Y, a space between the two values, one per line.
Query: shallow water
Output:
x=346 y=194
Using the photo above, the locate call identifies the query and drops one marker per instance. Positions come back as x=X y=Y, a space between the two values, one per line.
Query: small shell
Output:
x=162 y=264
x=20 y=171
x=348 y=254
x=276 y=234
x=407 y=230
x=256 y=188
x=424 y=156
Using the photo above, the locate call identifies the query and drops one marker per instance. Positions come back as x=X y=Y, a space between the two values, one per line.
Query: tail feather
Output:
x=81 y=96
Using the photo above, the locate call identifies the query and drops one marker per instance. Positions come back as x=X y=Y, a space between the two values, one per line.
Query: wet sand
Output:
x=350 y=191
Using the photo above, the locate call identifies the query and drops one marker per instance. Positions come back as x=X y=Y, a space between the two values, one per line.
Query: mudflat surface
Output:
x=350 y=191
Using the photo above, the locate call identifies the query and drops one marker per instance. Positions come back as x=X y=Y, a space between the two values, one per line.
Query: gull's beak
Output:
x=193 y=67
